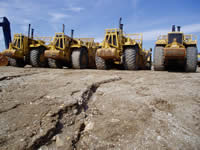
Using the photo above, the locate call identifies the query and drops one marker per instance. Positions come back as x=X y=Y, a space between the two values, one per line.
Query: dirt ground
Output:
x=58 y=109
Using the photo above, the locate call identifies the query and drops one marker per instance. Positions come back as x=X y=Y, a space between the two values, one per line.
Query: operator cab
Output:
x=112 y=35
x=111 y=39
x=59 y=41
x=18 y=41
x=175 y=35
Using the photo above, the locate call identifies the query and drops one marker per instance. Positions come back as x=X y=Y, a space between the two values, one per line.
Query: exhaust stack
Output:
x=120 y=24
x=173 y=28
x=29 y=30
x=179 y=28
x=72 y=33
x=63 y=29
x=32 y=32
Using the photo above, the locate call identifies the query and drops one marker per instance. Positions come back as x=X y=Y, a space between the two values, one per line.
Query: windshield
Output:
x=111 y=39
x=18 y=41
x=59 y=41
x=177 y=36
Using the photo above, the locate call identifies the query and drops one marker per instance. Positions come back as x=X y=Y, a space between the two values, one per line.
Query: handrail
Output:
x=186 y=37
x=135 y=36
x=162 y=37
x=190 y=37
x=45 y=39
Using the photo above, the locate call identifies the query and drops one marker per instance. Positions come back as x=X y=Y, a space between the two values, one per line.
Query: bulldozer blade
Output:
x=107 y=53
x=3 y=60
x=55 y=54
x=174 y=52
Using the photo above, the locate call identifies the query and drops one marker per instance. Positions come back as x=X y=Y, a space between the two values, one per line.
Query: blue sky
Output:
x=89 y=18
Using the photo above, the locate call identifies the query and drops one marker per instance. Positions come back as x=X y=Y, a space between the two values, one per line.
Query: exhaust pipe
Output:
x=173 y=28
x=179 y=28
x=29 y=30
x=72 y=33
x=120 y=24
x=63 y=29
x=32 y=31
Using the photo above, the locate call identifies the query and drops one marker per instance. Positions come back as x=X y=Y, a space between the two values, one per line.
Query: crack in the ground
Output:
x=39 y=98
x=80 y=106
x=83 y=105
x=74 y=92
x=19 y=104
x=56 y=129
x=15 y=76
x=13 y=107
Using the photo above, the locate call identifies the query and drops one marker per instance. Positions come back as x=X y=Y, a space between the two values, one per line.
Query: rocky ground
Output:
x=56 y=109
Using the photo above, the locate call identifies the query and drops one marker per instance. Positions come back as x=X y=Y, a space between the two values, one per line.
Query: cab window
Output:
x=114 y=40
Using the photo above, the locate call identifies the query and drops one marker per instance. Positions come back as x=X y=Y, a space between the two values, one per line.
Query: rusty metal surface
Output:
x=3 y=60
x=9 y=53
x=107 y=53
x=53 y=54
x=174 y=52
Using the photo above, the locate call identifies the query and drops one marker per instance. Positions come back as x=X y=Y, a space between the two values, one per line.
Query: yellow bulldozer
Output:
x=118 y=48
x=71 y=52
x=26 y=50
x=176 y=49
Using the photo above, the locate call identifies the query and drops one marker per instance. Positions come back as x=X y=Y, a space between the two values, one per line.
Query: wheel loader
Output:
x=176 y=50
x=122 y=49
x=77 y=53
x=26 y=50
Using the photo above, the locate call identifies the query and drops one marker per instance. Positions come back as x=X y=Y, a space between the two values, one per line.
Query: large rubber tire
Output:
x=16 y=62
x=80 y=58
x=100 y=63
x=191 y=59
x=37 y=58
x=130 y=59
x=159 y=59
x=53 y=63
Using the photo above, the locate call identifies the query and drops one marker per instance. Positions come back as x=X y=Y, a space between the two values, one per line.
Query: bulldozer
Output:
x=77 y=53
x=176 y=49
x=26 y=50
x=123 y=50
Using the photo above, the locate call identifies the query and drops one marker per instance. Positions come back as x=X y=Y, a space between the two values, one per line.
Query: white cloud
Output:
x=191 y=28
x=17 y=11
x=153 y=34
x=74 y=9
x=58 y=16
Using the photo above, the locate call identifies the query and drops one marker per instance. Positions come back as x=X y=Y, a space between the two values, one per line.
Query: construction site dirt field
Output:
x=57 y=109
